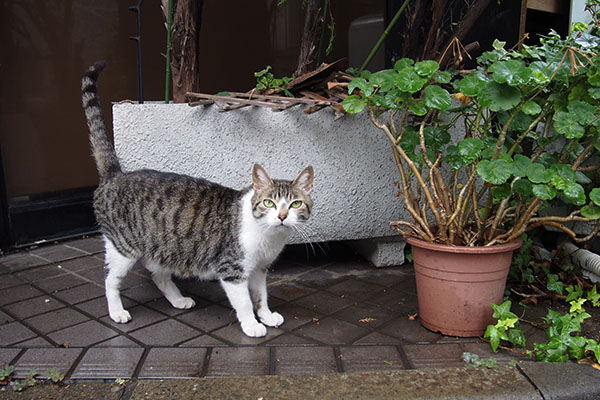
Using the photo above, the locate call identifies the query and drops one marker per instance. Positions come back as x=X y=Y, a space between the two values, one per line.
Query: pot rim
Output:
x=499 y=248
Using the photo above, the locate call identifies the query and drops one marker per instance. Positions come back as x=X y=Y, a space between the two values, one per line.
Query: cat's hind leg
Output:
x=162 y=279
x=118 y=265
x=239 y=297
x=257 y=283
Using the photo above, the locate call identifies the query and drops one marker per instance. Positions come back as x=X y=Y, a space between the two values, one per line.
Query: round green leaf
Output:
x=472 y=84
x=437 y=97
x=384 y=79
x=531 y=108
x=595 y=196
x=501 y=192
x=418 y=108
x=409 y=81
x=521 y=165
x=403 y=63
x=566 y=124
x=361 y=84
x=443 y=77
x=582 y=111
x=511 y=72
x=544 y=192
x=470 y=149
x=537 y=173
x=575 y=192
x=499 y=96
x=427 y=68
x=496 y=172
x=353 y=104
x=523 y=187
x=590 y=211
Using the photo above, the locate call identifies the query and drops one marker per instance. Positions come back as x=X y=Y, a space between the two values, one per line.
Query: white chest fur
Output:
x=261 y=243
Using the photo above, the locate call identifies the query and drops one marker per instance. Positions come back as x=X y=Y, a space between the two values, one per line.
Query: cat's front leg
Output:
x=239 y=297
x=258 y=289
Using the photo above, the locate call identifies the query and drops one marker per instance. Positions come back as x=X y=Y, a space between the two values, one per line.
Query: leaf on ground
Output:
x=367 y=320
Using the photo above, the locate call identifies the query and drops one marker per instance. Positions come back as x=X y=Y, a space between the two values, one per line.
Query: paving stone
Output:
x=320 y=279
x=209 y=318
x=399 y=302
x=237 y=361
x=89 y=245
x=141 y=317
x=37 y=305
x=84 y=334
x=296 y=316
x=391 y=277
x=41 y=273
x=60 y=282
x=95 y=275
x=289 y=339
x=203 y=340
x=434 y=355
x=304 y=360
x=20 y=261
x=57 y=252
x=36 y=342
x=484 y=351
x=119 y=341
x=5 y=318
x=7 y=355
x=81 y=293
x=108 y=363
x=332 y=331
x=564 y=381
x=82 y=264
x=162 y=305
x=143 y=293
x=377 y=338
x=366 y=315
x=370 y=358
x=207 y=291
x=9 y=280
x=18 y=293
x=98 y=307
x=289 y=291
x=165 y=333
x=233 y=334
x=410 y=331
x=323 y=302
x=14 y=332
x=173 y=363
x=354 y=289
x=57 y=319
x=44 y=359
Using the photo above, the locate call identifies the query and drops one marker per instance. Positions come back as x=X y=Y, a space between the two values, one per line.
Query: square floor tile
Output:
x=84 y=334
x=18 y=293
x=323 y=302
x=370 y=358
x=119 y=341
x=289 y=339
x=37 y=305
x=43 y=359
x=108 y=363
x=203 y=341
x=20 y=261
x=288 y=291
x=5 y=318
x=295 y=316
x=56 y=319
x=392 y=277
x=98 y=307
x=41 y=273
x=7 y=355
x=332 y=331
x=14 y=332
x=143 y=293
x=434 y=355
x=304 y=360
x=377 y=338
x=209 y=318
x=400 y=302
x=410 y=331
x=90 y=245
x=9 y=280
x=81 y=293
x=165 y=333
x=366 y=315
x=237 y=361
x=233 y=334
x=95 y=275
x=36 y=342
x=165 y=307
x=57 y=252
x=319 y=279
x=140 y=316
x=355 y=289
x=206 y=290
x=60 y=282
x=173 y=363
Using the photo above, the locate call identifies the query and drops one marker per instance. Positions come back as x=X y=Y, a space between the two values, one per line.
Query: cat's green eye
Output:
x=296 y=204
x=268 y=203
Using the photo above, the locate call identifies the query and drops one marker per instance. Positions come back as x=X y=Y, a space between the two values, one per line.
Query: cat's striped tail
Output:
x=106 y=159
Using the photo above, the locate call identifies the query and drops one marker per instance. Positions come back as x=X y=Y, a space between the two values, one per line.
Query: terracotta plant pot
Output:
x=456 y=284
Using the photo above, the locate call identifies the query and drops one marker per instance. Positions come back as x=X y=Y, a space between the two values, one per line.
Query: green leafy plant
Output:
x=563 y=339
x=6 y=372
x=483 y=155
x=266 y=81
x=55 y=375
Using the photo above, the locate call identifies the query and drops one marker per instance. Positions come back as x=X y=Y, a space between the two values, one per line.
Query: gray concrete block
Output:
x=563 y=381
x=381 y=252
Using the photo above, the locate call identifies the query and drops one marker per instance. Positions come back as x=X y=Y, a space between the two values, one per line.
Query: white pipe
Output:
x=584 y=258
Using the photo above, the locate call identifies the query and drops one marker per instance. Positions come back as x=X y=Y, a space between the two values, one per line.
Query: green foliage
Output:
x=6 y=372
x=55 y=375
x=474 y=360
x=265 y=80
x=531 y=127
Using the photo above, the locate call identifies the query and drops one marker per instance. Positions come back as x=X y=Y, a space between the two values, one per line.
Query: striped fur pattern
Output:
x=190 y=227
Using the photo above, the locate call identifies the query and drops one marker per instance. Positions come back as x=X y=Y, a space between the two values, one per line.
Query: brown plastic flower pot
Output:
x=456 y=284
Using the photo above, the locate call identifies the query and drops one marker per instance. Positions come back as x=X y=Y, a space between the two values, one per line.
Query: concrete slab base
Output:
x=382 y=252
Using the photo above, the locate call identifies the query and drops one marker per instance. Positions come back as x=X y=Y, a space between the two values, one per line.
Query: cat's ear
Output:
x=305 y=179
x=260 y=178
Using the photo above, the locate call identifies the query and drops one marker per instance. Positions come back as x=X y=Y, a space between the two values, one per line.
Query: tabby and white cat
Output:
x=190 y=227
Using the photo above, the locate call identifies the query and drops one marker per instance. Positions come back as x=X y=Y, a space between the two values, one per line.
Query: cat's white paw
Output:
x=254 y=329
x=271 y=319
x=121 y=316
x=184 y=303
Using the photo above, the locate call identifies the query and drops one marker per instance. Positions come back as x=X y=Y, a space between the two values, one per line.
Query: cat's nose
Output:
x=282 y=217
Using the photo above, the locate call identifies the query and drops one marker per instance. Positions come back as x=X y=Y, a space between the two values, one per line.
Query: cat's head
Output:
x=282 y=204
